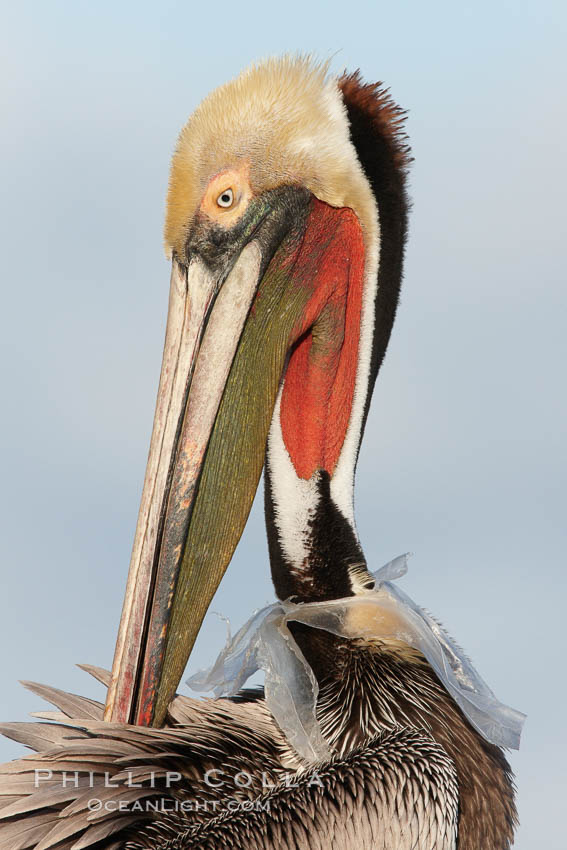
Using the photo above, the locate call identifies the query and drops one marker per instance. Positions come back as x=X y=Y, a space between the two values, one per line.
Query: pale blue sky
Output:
x=464 y=457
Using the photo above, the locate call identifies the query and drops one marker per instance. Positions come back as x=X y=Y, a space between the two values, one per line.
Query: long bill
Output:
x=227 y=344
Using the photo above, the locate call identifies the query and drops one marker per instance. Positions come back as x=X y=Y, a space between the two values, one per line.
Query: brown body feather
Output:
x=409 y=771
x=397 y=790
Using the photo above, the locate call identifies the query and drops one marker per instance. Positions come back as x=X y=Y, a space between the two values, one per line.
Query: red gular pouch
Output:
x=320 y=378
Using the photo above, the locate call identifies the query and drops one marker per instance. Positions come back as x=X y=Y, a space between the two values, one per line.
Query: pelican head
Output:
x=285 y=227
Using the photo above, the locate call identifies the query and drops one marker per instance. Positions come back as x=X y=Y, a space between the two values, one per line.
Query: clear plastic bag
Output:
x=265 y=642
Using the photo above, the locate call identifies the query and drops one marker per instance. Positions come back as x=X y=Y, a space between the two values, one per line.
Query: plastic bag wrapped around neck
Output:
x=265 y=642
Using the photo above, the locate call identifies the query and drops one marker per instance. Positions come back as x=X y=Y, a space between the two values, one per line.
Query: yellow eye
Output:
x=225 y=199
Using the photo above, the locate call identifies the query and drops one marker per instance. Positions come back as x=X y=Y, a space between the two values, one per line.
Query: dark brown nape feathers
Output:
x=387 y=118
x=377 y=132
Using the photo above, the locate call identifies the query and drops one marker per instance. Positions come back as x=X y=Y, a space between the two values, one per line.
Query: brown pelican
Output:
x=286 y=223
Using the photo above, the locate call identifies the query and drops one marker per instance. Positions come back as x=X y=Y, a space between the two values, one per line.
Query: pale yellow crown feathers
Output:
x=285 y=118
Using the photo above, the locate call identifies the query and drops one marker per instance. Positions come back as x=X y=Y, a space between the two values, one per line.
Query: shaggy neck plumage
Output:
x=375 y=689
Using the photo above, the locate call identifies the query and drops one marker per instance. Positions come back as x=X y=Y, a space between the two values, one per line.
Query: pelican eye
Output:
x=225 y=199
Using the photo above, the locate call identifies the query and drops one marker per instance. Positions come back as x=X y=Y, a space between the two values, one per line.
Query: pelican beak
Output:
x=235 y=309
